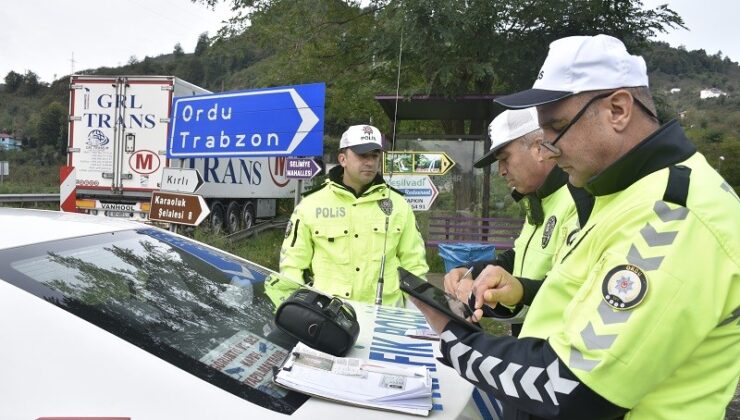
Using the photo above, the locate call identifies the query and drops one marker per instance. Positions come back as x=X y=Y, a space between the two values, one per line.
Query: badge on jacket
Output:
x=288 y=228
x=549 y=227
x=624 y=286
x=386 y=205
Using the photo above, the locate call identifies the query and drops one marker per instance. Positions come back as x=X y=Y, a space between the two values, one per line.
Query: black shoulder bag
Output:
x=325 y=323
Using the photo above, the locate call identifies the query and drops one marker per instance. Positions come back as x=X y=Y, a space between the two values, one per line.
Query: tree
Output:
x=51 y=127
x=476 y=46
x=713 y=136
x=307 y=41
x=449 y=48
x=13 y=81
x=31 y=84
x=178 y=51
x=191 y=69
x=202 y=45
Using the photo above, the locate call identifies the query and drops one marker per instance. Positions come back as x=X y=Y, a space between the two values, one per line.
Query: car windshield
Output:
x=200 y=309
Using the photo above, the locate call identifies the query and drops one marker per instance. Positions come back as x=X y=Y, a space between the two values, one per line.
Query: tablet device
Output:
x=436 y=298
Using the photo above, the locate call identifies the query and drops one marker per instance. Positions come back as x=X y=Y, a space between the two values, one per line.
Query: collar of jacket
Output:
x=555 y=179
x=532 y=203
x=584 y=203
x=336 y=175
x=666 y=146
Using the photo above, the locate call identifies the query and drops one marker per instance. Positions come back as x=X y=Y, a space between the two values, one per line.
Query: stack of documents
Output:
x=406 y=389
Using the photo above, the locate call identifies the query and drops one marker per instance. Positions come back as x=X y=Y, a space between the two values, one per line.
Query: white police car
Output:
x=116 y=319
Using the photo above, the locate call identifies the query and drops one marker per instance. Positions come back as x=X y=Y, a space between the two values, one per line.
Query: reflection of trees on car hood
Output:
x=166 y=293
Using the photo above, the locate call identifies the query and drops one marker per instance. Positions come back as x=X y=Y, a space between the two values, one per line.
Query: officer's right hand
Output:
x=456 y=285
x=495 y=285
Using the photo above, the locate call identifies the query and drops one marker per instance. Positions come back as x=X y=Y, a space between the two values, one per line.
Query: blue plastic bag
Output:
x=465 y=254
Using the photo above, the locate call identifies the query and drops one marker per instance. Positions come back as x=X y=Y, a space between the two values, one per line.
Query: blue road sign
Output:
x=282 y=121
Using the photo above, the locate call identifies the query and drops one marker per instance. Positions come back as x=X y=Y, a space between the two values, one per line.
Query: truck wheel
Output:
x=233 y=217
x=216 y=220
x=248 y=215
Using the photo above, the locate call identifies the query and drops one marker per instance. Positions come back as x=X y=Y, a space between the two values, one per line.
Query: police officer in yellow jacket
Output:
x=542 y=189
x=340 y=230
x=639 y=317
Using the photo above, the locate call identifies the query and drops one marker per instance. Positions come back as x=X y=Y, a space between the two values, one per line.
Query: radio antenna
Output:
x=381 y=276
x=398 y=87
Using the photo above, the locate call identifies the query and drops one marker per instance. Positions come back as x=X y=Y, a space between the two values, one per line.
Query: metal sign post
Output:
x=4 y=169
x=298 y=189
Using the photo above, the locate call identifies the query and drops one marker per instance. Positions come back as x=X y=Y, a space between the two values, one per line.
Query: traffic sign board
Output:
x=298 y=168
x=283 y=121
x=184 y=209
x=418 y=190
x=180 y=180
x=418 y=163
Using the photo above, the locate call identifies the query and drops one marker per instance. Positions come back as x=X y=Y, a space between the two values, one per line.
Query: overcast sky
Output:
x=43 y=35
x=713 y=25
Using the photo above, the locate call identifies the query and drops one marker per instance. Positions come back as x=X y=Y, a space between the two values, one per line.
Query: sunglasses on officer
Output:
x=550 y=145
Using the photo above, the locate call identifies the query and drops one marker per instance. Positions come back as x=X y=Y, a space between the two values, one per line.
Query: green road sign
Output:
x=417 y=163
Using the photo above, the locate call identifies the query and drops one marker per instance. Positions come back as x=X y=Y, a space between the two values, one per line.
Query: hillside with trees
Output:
x=446 y=48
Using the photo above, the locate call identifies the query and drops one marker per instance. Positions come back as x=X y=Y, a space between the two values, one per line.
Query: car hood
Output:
x=20 y=227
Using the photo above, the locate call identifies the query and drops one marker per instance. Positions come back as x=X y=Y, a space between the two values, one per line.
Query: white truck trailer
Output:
x=118 y=132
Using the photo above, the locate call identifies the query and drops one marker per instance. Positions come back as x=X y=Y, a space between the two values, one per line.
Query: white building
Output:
x=711 y=93
x=675 y=90
x=7 y=142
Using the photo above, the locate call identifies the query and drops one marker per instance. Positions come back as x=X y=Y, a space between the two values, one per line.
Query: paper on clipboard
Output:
x=406 y=389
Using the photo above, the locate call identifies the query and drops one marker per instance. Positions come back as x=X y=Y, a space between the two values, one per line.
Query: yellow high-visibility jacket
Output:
x=340 y=238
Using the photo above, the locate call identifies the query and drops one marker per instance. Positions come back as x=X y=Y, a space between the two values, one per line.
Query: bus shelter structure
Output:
x=464 y=119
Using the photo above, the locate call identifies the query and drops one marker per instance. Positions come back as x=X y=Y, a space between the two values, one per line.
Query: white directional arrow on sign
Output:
x=309 y=119
x=181 y=180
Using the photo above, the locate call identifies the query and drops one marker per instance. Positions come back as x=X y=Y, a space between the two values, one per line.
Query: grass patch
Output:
x=434 y=261
x=263 y=248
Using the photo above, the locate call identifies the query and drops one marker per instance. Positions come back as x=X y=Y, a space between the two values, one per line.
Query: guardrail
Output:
x=28 y=198
x=260 y=227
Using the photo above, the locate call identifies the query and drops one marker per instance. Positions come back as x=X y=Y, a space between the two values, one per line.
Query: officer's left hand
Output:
x=437 y=320
x=495 y=285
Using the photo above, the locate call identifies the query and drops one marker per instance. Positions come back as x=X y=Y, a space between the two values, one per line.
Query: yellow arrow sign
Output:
x=417 y=163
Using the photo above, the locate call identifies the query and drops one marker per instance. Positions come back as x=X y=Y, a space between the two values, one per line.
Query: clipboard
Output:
x=380 y=387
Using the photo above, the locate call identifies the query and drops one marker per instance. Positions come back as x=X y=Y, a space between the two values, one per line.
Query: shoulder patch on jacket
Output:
x=624 y=286
x=549 y=228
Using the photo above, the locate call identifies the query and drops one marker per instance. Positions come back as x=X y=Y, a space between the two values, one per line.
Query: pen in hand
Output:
x=459 y=282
